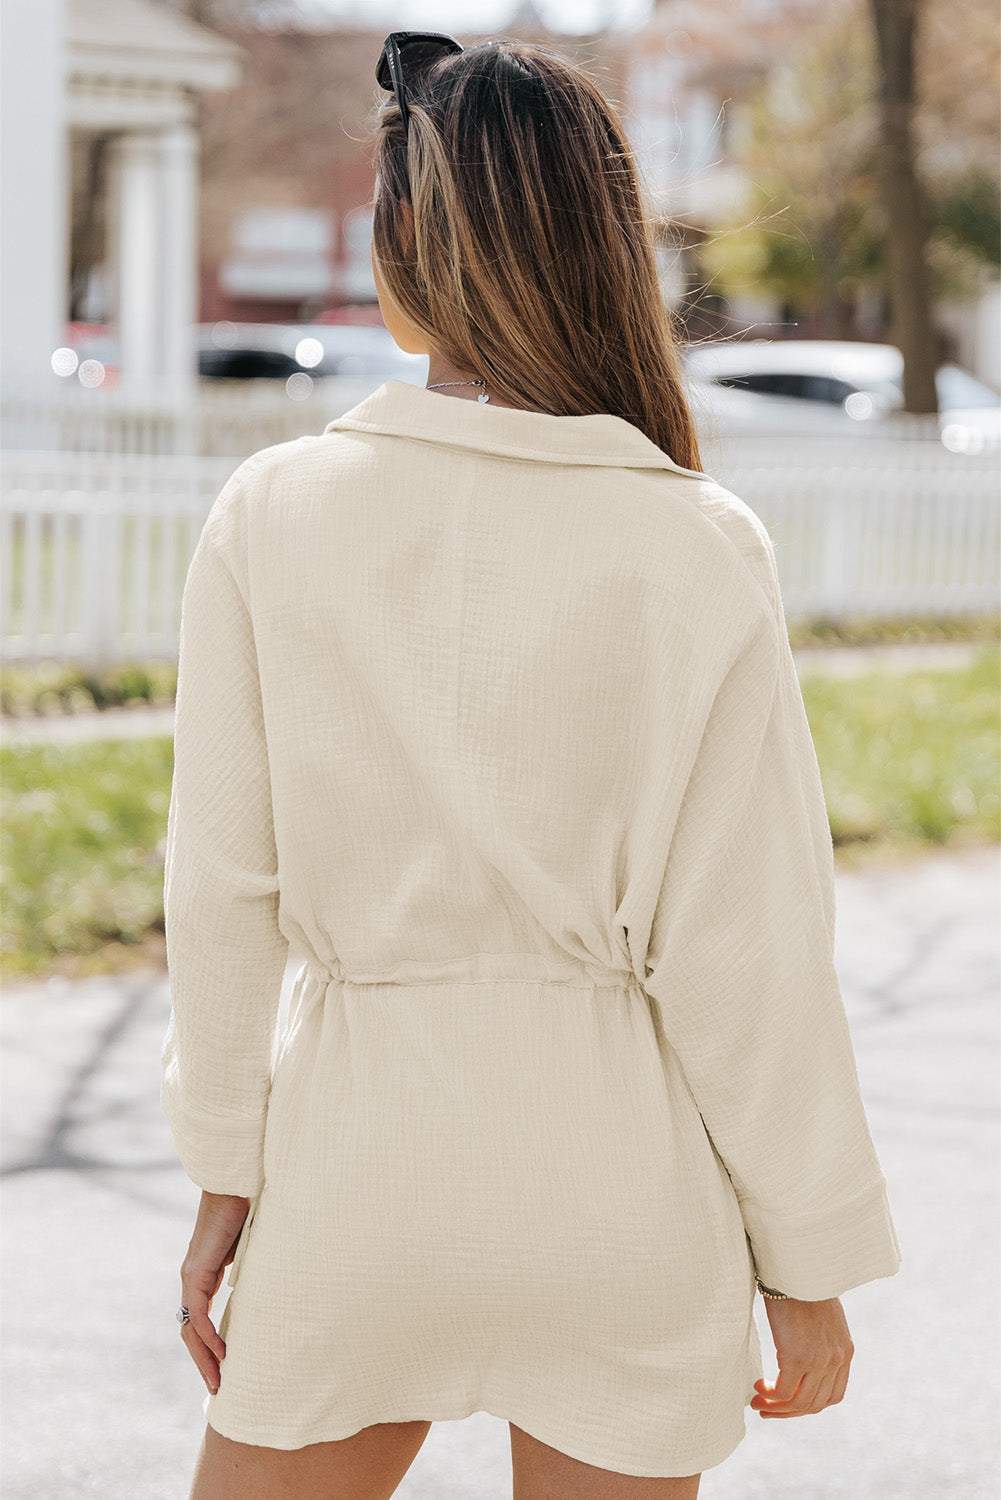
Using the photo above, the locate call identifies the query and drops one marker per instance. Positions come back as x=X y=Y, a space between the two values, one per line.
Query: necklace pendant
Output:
x=483 y=396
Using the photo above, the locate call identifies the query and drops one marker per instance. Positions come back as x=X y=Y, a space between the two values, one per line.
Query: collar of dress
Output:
x=413 y=411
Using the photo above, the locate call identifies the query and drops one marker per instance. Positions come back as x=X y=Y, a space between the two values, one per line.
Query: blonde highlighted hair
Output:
x=510 y=230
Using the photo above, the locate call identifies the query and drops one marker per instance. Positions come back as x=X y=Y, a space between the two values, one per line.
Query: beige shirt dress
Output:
x=492 y=715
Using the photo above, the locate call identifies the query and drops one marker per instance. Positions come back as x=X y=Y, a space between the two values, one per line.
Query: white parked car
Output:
x=828 y=387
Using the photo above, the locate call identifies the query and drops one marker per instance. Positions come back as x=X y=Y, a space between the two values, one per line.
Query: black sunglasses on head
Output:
x=406 y=52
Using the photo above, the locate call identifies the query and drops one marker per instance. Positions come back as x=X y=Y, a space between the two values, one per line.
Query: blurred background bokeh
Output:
x=186 y=206
x=174 y=172
x=186 y=278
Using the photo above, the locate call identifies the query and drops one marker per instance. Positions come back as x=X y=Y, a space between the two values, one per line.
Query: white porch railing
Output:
x=95 y=546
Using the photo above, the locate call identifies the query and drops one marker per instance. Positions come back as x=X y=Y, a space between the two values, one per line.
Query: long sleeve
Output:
x=741 y=972
x=225 y=953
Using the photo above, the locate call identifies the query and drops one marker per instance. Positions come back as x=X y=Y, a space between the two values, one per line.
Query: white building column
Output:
x=178 y=146
x=138 y=276
x=34 y=206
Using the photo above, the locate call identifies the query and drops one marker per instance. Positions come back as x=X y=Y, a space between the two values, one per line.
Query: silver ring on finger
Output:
x=182 y=1315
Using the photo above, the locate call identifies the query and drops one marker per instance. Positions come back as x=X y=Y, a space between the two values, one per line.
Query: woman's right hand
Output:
x=814 y=1350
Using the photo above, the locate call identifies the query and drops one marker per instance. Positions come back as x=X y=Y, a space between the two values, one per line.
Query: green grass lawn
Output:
x=82 y=838
x=909 y=761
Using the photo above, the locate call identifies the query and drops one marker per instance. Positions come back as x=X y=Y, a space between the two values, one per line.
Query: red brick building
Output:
x=288 y=175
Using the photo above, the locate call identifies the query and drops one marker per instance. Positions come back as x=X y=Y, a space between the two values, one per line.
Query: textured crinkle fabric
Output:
x=492 y=716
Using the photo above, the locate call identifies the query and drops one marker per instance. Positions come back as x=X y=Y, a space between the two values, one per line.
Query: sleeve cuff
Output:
x=220 y=1153
x=822 y=1255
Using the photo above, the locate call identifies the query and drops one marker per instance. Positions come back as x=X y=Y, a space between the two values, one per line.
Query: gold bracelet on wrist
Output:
x=767 y=1291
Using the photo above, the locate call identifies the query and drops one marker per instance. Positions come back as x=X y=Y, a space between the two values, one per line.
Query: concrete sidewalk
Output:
x=837 y=661
x=101 y=1397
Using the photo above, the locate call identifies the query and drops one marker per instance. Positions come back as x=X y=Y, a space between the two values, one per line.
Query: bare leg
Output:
x=366 y=1466
x=543 y=1473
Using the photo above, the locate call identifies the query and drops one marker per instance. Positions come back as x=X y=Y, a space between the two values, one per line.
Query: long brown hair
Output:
x=511 y=232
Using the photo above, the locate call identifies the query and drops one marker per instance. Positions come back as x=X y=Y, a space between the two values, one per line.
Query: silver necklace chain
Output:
x=441 y=383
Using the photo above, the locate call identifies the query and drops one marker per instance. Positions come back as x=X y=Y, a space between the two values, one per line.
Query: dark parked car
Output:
x=247 y=364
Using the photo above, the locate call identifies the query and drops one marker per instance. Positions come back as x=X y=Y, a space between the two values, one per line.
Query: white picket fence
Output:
x=94 y=551
x=95 y=546
x=877 y=527
x=221 y=419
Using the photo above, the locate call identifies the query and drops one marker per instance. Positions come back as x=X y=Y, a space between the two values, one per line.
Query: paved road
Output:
x=101 y=1398
x=836 y=661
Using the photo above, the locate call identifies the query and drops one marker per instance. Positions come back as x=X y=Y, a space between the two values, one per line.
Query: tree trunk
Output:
x=911 y=325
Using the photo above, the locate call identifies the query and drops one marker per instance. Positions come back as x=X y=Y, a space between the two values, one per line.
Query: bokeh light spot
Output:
x=91 y=373
x=309 y=352
x=64 y=361
x=299 y=386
